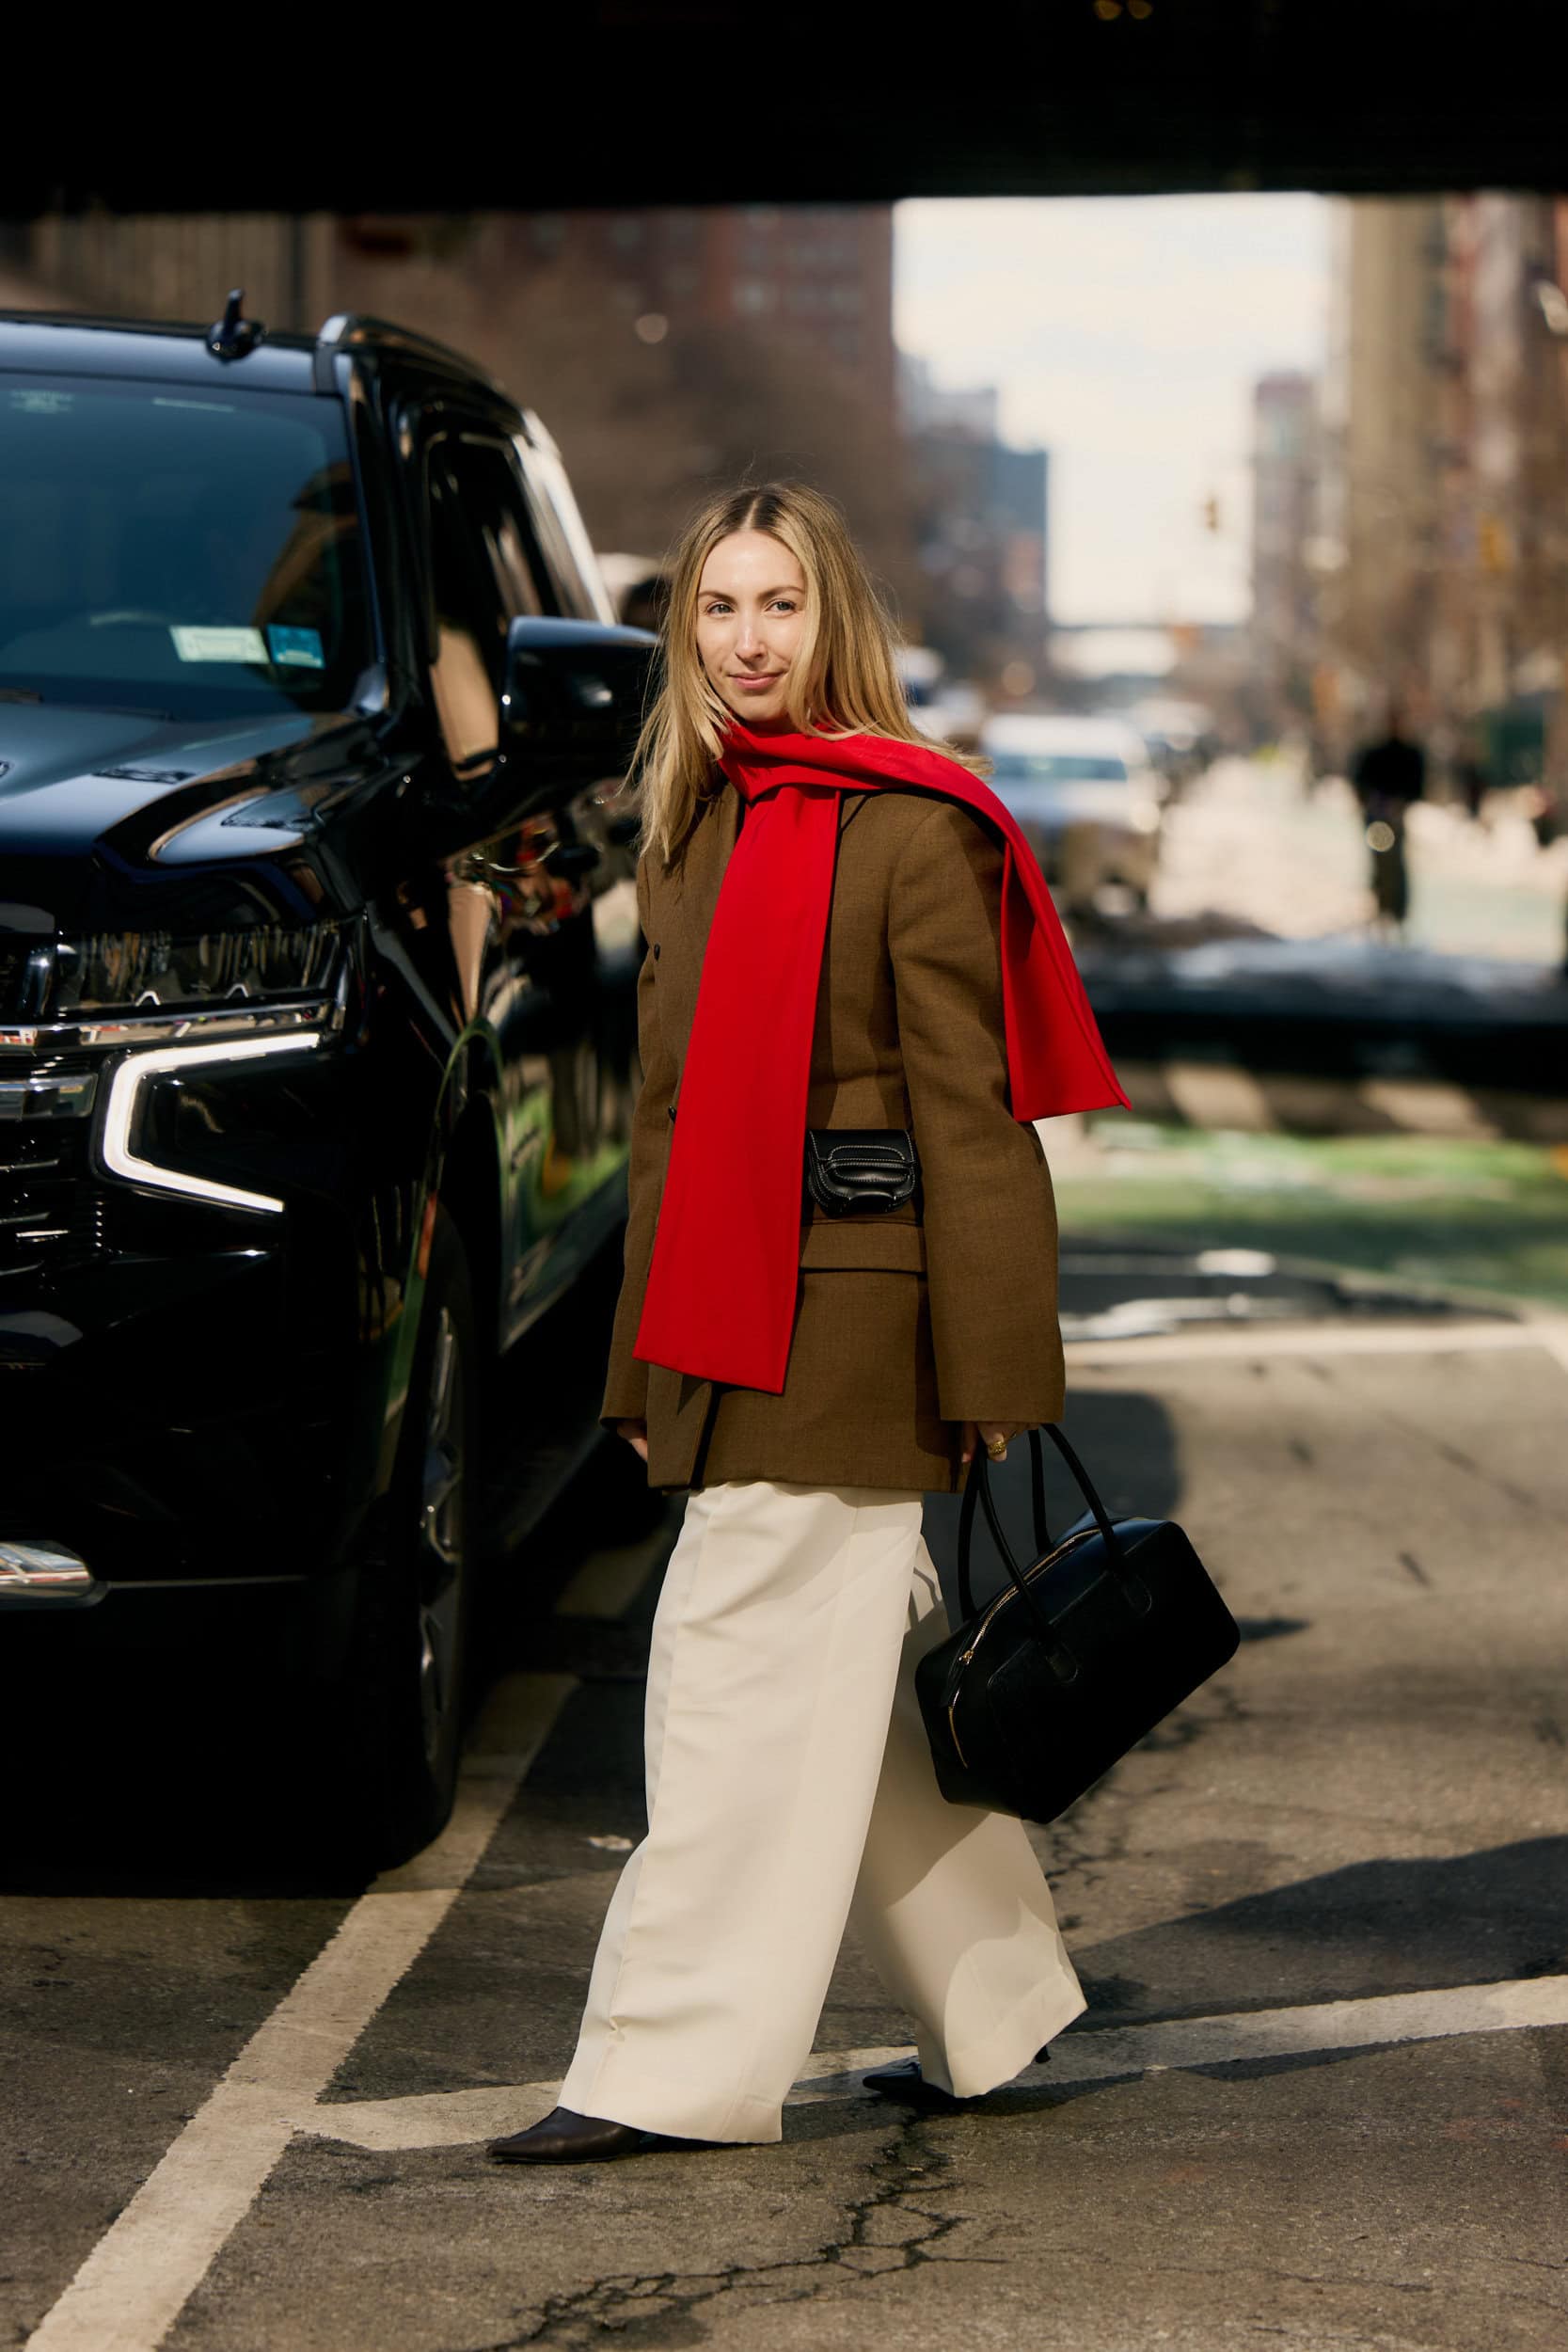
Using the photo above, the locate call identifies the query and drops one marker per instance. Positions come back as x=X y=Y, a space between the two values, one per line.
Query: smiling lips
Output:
x=747 y=678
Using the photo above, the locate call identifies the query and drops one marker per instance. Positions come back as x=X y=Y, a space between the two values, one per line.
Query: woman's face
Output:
x=750 y=616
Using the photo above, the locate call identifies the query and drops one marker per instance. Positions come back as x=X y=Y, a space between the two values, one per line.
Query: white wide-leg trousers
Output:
x=790 y=1790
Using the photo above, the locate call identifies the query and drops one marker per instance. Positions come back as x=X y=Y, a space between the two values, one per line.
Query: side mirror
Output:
x=573 y=693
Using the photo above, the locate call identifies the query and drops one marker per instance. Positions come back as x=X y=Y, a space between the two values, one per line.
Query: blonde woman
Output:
x=843 y=931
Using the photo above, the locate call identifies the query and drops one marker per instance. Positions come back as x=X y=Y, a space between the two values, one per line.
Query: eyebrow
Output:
x=789 y=588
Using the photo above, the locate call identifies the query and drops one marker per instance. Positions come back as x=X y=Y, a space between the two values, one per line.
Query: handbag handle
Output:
x=973 y=1488
x=977 y=1488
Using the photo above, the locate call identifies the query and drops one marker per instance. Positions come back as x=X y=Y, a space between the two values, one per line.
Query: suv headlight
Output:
x=145 y=972
x=132 y=1144
x=195 y=1010
x=179 y=1020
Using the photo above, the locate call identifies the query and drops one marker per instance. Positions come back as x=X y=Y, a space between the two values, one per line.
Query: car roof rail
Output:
x=349 y=330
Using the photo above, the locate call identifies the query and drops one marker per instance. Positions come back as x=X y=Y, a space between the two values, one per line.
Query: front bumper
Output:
x=160 y=1424
x=178 y=1339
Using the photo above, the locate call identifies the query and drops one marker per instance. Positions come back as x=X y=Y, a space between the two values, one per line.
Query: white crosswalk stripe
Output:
x=1223 y=1095
x=454 y=2119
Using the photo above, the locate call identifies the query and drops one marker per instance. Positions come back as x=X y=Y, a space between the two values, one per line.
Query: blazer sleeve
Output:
x=625 y=1396
x=989 y=1216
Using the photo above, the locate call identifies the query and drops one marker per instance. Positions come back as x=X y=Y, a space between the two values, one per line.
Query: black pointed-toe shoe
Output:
x=903 y=2081
x=563 y=2138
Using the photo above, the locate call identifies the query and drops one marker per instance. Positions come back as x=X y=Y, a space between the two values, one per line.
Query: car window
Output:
x=492 y=496
x=1057 y=768
x=469 y=618
x=562 y=533
x=166 y=547
x=485 y=570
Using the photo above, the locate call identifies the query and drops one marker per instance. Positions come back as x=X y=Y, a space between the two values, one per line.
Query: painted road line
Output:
x=1253 y=1342
x=133 y=2284
x=1218 y=1094
x=458 y=2118
x=1320 y=2028
x=1307 y=1104
x=1429 y=1107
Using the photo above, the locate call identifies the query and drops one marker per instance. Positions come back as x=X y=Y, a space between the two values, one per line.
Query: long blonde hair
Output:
x=845 y=678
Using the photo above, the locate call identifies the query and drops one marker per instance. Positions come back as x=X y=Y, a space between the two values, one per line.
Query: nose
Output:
x=747 y=642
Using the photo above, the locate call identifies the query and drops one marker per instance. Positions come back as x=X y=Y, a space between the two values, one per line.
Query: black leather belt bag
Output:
x=861 y=1171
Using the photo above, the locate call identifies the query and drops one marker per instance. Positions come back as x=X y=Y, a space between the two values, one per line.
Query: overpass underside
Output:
x=619 y=102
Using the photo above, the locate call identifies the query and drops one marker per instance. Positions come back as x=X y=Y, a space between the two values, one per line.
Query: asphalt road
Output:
x=243 y=2101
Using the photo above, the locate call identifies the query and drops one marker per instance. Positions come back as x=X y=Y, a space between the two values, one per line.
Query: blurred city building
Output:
x=1180 y=682
x=980 y=510
x=1285 y=478
x=668 y=349
x=1440 y=547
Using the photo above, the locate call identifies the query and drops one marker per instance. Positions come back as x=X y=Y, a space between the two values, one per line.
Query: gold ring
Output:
x=997 y=1448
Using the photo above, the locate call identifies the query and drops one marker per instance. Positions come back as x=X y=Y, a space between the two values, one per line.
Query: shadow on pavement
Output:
x=1405 y=1926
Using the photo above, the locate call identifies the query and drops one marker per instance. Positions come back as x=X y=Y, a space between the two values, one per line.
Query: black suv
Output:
x=318 y=948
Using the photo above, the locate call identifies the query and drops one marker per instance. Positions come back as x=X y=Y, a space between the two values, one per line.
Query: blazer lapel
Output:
x=683 y=907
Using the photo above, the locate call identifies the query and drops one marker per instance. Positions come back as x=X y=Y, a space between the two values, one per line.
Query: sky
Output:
x=1124 y=334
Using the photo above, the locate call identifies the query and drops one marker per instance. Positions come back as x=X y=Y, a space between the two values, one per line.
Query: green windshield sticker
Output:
x=296 y=648
x=218 y=644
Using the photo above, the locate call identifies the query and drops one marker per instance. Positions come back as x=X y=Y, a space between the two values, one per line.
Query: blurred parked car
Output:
x=1180 y=737
x=318 y=951
x=946 y=708
x=1086 y=794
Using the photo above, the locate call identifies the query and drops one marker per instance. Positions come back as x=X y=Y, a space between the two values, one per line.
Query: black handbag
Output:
x=1077 y=1659
x=861 y=1171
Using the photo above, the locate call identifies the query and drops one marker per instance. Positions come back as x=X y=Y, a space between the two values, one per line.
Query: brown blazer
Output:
x=905 y=1328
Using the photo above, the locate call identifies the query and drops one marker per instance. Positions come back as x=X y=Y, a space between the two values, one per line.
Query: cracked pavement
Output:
x=1370 y=1801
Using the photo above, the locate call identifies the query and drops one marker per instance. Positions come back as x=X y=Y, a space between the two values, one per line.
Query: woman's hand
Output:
x=636 y=1436
x=987 y=1433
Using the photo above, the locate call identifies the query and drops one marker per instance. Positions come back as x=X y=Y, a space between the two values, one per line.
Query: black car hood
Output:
x=100 y=810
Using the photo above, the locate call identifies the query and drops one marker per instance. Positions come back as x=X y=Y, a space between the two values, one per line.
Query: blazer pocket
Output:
x=892 y=1243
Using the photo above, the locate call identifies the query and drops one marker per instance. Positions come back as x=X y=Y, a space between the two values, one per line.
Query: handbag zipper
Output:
x=1008 y=1592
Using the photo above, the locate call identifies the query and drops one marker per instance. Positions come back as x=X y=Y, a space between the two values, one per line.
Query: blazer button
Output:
x=672 y=1114
x=656 y=951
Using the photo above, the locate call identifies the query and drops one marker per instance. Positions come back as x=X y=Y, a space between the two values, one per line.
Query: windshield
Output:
x=177 y=552
x=1057 y=768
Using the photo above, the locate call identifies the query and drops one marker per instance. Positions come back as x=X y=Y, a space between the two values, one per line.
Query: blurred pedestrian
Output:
x=645 y=603
x=1470 y=774
x=823 y=895
x=1318 y=761
x=1390 y=773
